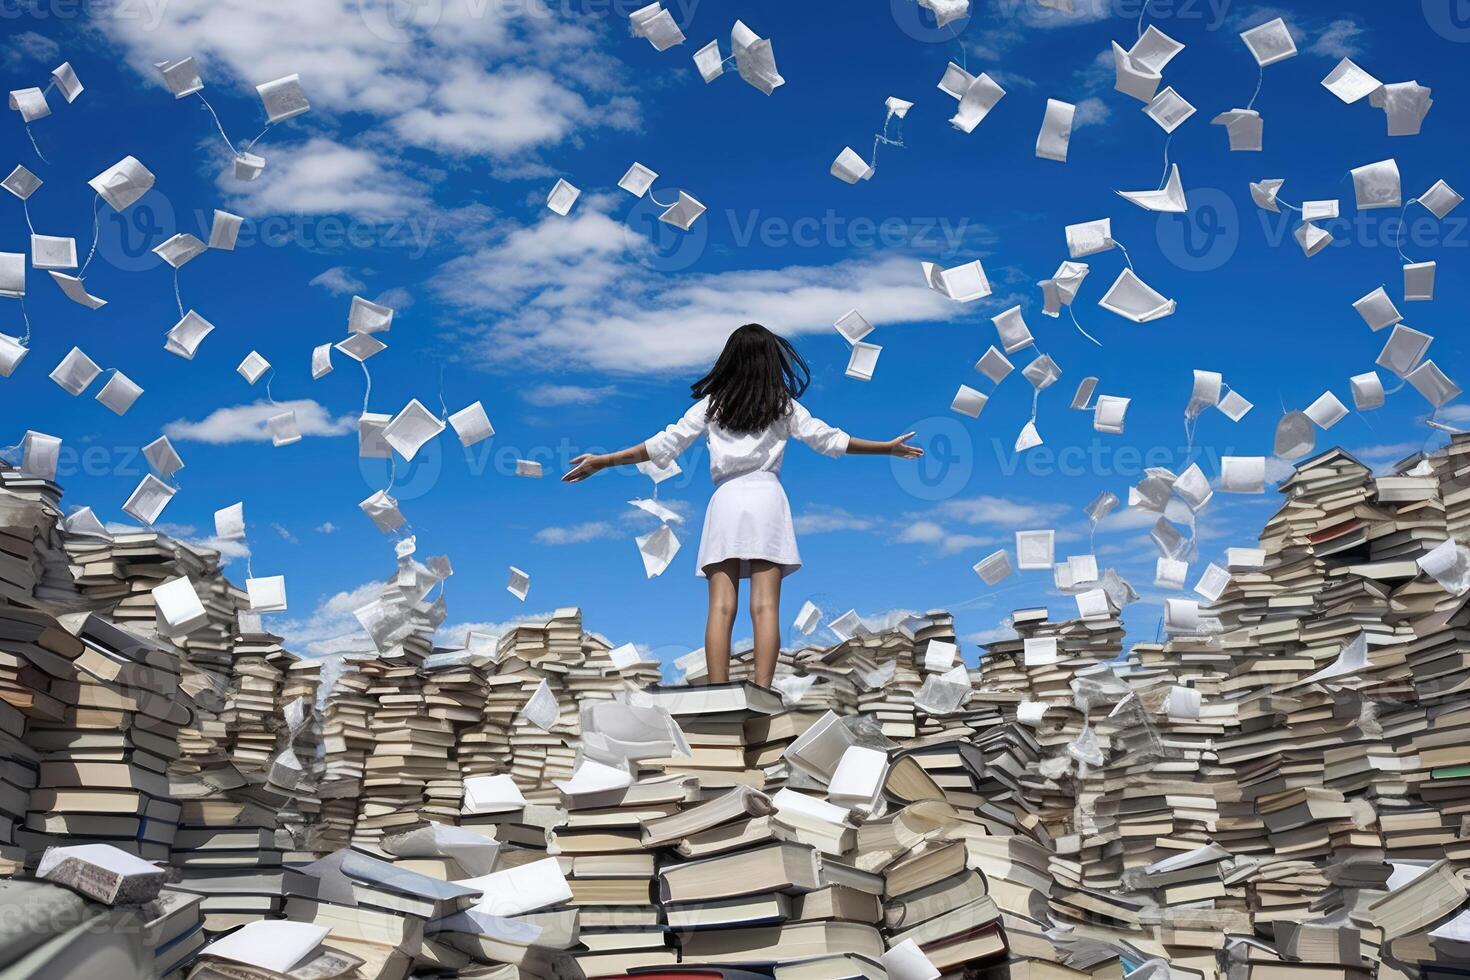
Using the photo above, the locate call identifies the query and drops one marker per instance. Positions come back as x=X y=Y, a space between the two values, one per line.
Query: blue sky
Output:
x=419 y=178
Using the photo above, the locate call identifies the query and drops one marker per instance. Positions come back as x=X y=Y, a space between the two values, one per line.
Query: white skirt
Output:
x=749 y=518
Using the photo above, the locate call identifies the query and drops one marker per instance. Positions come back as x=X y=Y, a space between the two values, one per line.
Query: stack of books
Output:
x=1277 y=790
x=347 y=737
x=106 y=749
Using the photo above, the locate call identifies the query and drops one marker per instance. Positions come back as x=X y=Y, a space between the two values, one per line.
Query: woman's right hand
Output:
x=900 y=447
x=583 y=467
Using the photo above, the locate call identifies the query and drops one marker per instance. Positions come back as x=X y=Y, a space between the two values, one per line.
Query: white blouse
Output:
x=733 y=454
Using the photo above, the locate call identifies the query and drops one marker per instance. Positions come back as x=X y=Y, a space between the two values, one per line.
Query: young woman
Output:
x=746 y=406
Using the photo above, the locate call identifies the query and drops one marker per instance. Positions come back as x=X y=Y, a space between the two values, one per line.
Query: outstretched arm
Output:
x=588 y=463
x=831 y=441
x=660 y=449
x=898 y=446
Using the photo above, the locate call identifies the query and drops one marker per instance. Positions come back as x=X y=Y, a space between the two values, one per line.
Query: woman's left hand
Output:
x=900 y=447
x=583 y=467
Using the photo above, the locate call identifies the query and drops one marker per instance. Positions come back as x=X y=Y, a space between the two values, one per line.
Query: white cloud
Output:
x=339 y=281
x=327 y=528
x=505 y=113
x=550 y=396
x=285 y=533
x=1091 y=111
x=1391 y=452
x=1330 y=37
x=322 y=176
x=1082 y=12
x=1455 y=413
x=1014 y=514
x=574 y=290
x=922 y=532
x=397 y=299
x=576 y=533
x=1004 y=631
x=330 y=628
x=247 y=423
x=28 y=46
x=462 y=76
x=1339 y=39
x=822 y=520
x=230 y=549
x=948 y=542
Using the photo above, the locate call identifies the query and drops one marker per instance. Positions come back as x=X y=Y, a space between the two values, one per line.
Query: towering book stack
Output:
x=37 y=657
x=536 y=655
x=226 y=853
x=410 y=748
x=1451 y=467
x=610 y=872
x=454 y=693
x=250 y=706
x=23 y=524
x=34 y=564
x=347 y=737
x=104 y=760
x=298 y=766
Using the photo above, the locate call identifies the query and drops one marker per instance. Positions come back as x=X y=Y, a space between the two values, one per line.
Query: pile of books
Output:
x=1276 y=789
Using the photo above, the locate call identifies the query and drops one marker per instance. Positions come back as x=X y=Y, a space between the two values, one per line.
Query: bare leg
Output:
x=724 y=601
x=765 y=618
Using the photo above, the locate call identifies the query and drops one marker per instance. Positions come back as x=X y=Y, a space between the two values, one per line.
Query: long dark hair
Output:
x=754 y=381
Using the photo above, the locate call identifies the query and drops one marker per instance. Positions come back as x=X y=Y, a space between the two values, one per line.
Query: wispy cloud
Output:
x=323 y=176
x=330 y=628
x=1390 y=451
x=1001 y=511
x=822 y=520
x=461 y=77
x=576 y=533
x=28 y=46
x=562 y=288
x=1340 y=39
x=552 y=396
x=339 y=281
x=247 y=423
x=1330 y=36
x=1091 y=111
x=947 y=541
